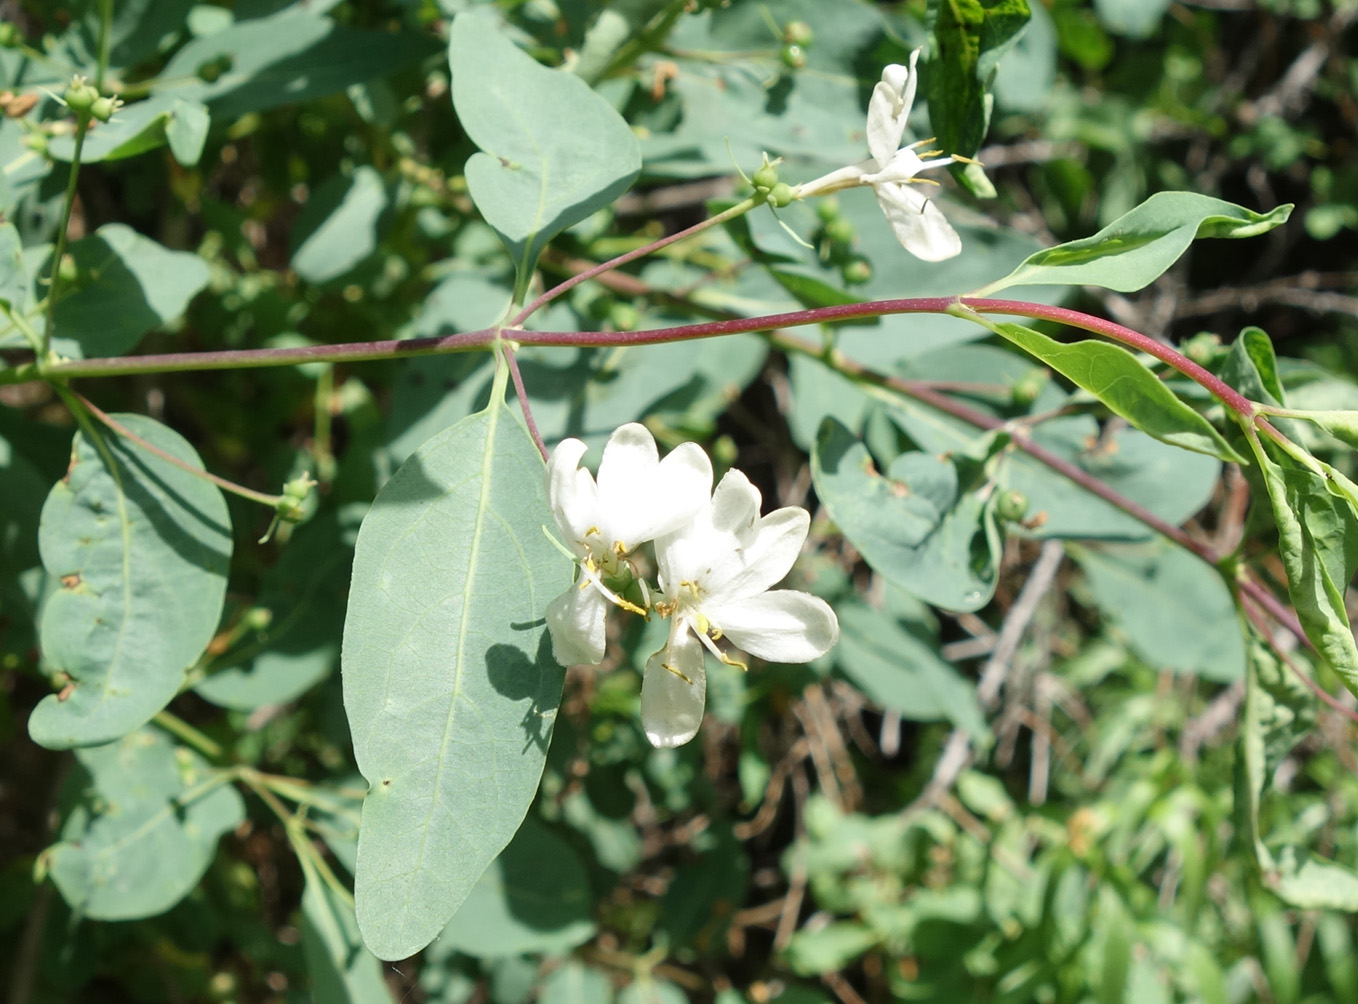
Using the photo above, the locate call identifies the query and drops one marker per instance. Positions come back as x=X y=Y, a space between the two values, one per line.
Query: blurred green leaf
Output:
x=126 y=285
x=575 y=983
x=449 y=682
x=141 y=549
x=903 y=672
x=1173 y=606
x=288 y=57
x=552 y=150
x=1135 y=249
x=915 y=525
x=534 y=898
x=338 y=227
x=142 y=126
x=141 y=829
x=342 y=970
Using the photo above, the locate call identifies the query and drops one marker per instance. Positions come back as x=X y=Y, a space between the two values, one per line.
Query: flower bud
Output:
x=80 y=96
x=1030 y=385
x=793 y=57
x=1012 y=506
x=798 y=33
x=103 y=108
x=827 y=209
x=10 y=35
x=856 y=271
x=781 y=195
x=766 y=177
x=840 y=231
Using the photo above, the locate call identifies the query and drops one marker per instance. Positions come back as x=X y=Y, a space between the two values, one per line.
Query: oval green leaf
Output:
x=449 y=682
x=553 y=151
x=140 y=549
x=142 y=825
x=915 y=526
x=1120 y=381
x=1136 y=248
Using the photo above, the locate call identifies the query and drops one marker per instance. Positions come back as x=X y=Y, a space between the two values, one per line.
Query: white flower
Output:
x=715 y=573
x=638 y=497
x=918 y=224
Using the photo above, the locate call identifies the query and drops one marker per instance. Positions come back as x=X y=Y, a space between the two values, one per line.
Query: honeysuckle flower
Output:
x=715 y=574
x=893 y=170
x=637 y=497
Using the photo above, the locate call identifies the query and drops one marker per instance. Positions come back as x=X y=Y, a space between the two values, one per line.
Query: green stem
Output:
x=188 y=735
x=59 y=252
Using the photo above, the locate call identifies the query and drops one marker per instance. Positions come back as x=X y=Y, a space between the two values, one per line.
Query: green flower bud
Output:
x=766 y=177
x=856 y=271
x=781 y=195
x=840 y=231
x=793 y=57
x=257 y=618
x=103 y=108
x=624 y=316
x=1030 y=385
x=827 y=209
x=798 y=33
x=68 y=272
x=1012 y=506
x=80 y=96
x=10 y=35
x=1203 y=348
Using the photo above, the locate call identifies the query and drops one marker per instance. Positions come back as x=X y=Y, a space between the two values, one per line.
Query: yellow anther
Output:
x=677 y=673
x=743 y=667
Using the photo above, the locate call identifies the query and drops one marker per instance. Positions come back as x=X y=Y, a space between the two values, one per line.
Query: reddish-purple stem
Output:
x=513 y=361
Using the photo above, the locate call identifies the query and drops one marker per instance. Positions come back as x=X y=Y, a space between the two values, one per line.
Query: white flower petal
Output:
x=576 y=622
x=712 y=536
x=889 y=108
x=767 y=555
x=919 y=225
x=782 y=626
x=672 y=707
x=571 y=493
x=672 y=494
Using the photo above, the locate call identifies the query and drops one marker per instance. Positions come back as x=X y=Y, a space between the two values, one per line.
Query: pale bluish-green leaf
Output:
x=289 y=57
x=1133 y=250
x=126 y=285
x=143 y=822
x=1126 y=387
x=813 y=951
x=1135 y=18
x=649 y=990
x=916 y=525
x=342 y=971
x=535 y=898
x=1174 y=608
x=140 y=548
x=902 y=672
x=15 y=280
x=552 y=150
x=1318 y=544
x=338 y=227
x=449 y=682
x=576 y=983
x=304 y=594
x=142 y=126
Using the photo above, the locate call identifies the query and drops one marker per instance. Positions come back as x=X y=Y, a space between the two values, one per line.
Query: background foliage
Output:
x=1065 y=792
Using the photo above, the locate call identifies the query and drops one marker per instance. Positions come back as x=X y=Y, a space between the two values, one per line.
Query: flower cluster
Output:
x=893 y=170
x=716 y=559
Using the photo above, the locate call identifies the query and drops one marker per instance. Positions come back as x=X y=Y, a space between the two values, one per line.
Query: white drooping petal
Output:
x=672 y=492
x=571 y=493
x=767 y=554
x=919 y=225
x=889 y=108
x=671 y=706
x=576 y=622
x=782 y=626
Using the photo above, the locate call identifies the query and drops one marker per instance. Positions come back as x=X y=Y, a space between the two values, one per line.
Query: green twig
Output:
x=188 y=735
